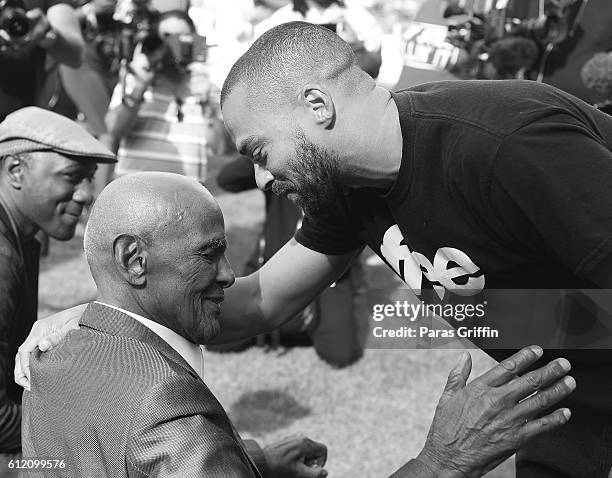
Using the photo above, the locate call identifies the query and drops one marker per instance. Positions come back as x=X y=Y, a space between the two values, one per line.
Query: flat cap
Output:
x=35 y=129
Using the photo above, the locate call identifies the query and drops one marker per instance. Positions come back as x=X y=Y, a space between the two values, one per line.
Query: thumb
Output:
x=458 y=376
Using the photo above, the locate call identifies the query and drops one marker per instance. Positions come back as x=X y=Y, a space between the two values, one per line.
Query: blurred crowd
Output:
x=145 y=76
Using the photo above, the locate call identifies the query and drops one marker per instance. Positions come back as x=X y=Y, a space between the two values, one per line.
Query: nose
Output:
x=83 y=193
x=263 y=177
x=225 y=273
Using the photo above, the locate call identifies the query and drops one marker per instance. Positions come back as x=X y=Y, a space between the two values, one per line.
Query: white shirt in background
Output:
x=363 y=23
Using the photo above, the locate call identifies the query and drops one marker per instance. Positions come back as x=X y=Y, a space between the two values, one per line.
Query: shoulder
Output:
x=95 y=362
x=497 y=107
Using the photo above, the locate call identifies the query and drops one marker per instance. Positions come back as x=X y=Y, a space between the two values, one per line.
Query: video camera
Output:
x=515 y=48
x=13 y=19
x=183 y=49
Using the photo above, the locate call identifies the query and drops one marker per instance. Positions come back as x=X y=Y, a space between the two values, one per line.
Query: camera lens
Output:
x=14 y=22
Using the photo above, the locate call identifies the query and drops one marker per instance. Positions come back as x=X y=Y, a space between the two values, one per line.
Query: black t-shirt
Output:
x=503 y=185
x=21 y=78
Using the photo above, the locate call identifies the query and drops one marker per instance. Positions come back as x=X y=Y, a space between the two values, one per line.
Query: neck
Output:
x=376 y=142
x=126 y=301
x=27 y=229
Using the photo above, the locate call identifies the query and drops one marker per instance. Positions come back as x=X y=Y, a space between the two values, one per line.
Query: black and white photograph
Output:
x=306 y=238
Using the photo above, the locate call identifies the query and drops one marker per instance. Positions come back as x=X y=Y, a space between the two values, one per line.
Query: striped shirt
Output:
x=170 y=133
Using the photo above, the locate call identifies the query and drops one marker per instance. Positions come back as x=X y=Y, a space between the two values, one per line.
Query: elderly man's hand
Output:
x=45 y=335
x=296 y=457
x=477 y=426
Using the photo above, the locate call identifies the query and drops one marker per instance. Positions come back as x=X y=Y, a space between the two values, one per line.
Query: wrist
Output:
x=131 y=100
x=439 y=466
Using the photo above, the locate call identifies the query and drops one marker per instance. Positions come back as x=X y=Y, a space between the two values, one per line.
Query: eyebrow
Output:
x=249 y=144
x=214 y=245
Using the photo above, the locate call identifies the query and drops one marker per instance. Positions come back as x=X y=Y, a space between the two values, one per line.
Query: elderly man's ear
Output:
x=131 y=258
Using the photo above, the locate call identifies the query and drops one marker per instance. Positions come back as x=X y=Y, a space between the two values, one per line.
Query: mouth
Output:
x=217 y=299
x=76 y=213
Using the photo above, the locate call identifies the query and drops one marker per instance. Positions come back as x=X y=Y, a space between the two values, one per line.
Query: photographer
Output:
x=163 y=114
x=30 y=29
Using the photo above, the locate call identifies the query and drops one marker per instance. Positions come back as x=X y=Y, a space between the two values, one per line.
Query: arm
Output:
x=181 y=430
x=287 y=283
x=124 y=105
x=68 y=47
x=478 y=425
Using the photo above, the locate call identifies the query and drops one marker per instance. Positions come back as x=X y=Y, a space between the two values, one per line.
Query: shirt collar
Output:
x=191 y=353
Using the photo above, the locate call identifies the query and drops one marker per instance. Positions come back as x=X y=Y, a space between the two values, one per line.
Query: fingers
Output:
x=304 y=471
x=49 y=342
x=19 y=376
x=315 y=453
x=458 y=376
x=23 y=359
x=53 y=339
x=510 y=367
x=536 y=380
x=543 y=400
x=545 y=424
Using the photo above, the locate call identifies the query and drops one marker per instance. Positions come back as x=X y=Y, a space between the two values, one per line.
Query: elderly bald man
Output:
x=124 y=394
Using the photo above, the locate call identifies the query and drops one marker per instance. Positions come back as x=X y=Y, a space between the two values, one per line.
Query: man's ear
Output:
x=318 y=102
x=13 y=167
x=131 y=258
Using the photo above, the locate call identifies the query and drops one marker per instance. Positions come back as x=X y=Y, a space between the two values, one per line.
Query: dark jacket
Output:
x=18 y=311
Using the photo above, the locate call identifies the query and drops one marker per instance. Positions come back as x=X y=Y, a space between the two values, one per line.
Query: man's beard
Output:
x=315 y=181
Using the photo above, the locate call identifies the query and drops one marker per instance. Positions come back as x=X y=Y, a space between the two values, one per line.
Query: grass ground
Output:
x=373 y=415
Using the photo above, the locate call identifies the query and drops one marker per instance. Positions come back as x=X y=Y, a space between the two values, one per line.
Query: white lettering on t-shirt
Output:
x=451 y=270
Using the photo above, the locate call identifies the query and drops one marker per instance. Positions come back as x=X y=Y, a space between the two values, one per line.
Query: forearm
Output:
x=120 y=120
x=68 y=45
x=241 y=314
x=67 y=49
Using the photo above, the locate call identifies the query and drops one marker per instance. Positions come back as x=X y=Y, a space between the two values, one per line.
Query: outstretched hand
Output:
x=478 y=425
x=296 y=457
x=45 y=334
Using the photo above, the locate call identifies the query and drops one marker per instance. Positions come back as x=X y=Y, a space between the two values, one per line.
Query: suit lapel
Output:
x=114 y=322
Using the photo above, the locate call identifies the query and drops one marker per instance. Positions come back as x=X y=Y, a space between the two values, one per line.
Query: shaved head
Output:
x=155 y=244
x=152 y=206
x=289 y=55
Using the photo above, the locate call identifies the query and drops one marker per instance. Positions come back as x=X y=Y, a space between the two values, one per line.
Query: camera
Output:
x=186 y=49
x=499 y=46
x=182 y=49
x=13 y=19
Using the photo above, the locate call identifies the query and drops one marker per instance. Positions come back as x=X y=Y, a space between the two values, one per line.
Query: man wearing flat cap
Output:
x=47 y=163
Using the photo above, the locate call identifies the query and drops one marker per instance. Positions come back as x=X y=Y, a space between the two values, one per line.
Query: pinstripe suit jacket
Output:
x=115 y=400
